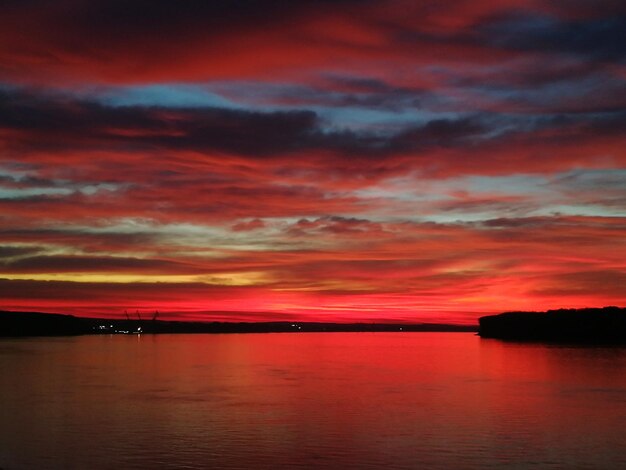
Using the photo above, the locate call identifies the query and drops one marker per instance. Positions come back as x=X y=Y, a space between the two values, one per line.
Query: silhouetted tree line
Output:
x=600 y=325
x=48 y=324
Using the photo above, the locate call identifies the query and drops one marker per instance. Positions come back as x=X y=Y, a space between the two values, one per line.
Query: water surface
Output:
x=316 y=400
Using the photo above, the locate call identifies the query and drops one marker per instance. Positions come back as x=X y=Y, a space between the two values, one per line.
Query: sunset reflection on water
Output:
x=318 y=400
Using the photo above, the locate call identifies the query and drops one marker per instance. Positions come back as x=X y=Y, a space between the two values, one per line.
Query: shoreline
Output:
x=22 y=324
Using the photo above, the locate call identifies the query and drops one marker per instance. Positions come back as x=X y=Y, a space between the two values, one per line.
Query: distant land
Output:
x=590 y=325
x=52 y=324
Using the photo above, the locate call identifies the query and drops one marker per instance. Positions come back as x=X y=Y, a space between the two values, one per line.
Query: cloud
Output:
x=78 y=40
x=80 y=239
x=595 y=38
x=118 y=264
x=396 y=266
x=245 y=226
x=608 y=283
x=111 y=42
x=367 y=158
x=41 y=125
x=350 y=227
x=14 y=251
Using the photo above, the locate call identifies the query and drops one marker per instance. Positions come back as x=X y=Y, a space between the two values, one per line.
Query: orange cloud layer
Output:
x=323 y=160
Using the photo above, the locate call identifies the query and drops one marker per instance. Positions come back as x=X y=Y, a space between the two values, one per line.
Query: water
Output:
x=319 y=400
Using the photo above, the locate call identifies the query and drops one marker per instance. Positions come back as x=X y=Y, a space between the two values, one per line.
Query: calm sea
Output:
x=314 y=400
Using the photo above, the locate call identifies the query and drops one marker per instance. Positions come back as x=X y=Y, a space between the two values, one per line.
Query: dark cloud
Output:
x=88 y=241
x=47 y=264
x=246 y=226
x=341 y=92
x=611 y=123
x=162 y=16
x=118 y=21
x=519 y=222
x=38 y=123
x=48 y=113
x=442 y=133
x=608 y=283
x=21 y=182
x=350 y=226
x=588 y=8
x=597 y=38
x=574 y=223
x=600 y=180
x=12 y=251
x=116 y=40
x=58 y=122
x=501 y=205
x=74 y=123
x=123 y=293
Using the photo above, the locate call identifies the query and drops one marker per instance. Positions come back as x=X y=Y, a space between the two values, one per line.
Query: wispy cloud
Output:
x=312 y=159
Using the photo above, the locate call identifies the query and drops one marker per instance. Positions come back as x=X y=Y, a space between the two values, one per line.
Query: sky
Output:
x=312 y=160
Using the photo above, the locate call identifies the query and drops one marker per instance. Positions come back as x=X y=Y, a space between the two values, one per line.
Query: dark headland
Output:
x=589 y=325
x=50 y=324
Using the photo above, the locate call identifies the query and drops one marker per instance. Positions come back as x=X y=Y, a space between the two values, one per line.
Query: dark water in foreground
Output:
x=319 y=400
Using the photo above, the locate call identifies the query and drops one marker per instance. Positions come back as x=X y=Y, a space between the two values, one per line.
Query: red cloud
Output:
x=349 y=128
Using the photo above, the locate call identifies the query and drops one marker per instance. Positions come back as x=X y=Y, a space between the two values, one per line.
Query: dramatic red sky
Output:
x=361 y=160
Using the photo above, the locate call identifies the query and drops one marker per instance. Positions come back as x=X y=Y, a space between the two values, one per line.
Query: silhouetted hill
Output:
x=40 y=324
x=48 y=324
x=592 y=325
